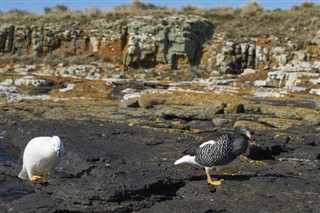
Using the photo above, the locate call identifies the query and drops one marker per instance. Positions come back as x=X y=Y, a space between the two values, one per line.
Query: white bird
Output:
x=40 y=157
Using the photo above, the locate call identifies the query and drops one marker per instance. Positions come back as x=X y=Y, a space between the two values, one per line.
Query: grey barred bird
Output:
x=219 y=151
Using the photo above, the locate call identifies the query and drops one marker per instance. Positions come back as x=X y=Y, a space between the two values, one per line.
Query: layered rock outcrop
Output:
x=176 y=41
x=138 y=41
x=263 y=53
x=172 y=42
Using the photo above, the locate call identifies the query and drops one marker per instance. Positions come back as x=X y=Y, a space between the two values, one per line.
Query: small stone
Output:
x=220 y=121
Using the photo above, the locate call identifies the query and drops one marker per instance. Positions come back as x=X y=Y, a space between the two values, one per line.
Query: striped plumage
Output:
x=217 y=152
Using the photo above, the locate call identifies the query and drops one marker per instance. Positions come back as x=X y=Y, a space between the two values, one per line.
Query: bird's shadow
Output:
x=239 y=177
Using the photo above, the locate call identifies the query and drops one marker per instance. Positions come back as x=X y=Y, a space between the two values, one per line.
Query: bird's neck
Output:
x=240 y=144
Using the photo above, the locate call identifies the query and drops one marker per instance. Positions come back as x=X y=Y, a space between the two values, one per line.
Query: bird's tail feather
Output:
x=23 y=174
x=186 y=159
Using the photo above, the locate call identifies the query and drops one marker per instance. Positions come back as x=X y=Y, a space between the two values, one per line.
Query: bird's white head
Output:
x=57 y=145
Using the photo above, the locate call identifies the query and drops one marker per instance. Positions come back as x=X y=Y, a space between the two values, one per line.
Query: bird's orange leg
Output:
x=36 y=178
x=209 y=180
x=45 y=179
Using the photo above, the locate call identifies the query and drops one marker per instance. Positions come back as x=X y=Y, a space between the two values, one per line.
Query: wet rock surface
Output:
x=120 y=159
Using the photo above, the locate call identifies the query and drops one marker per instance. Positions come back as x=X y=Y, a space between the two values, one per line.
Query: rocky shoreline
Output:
x=123 y=127
x=120 y=148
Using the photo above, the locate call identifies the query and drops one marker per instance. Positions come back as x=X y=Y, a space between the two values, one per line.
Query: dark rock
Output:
x=38 y=202
x=234 y=108
x=115 y=167
x=189 y=112
x=204 y=126
x=260 y=153
x=220 y=121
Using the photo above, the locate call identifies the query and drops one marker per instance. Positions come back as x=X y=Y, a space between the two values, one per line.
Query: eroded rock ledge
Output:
x=171 y=42
x=136 y=41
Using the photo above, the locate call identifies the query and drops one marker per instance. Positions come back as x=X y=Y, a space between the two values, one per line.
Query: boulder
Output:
x=315 y=91
x=248 y=71
x=174 y=40
x=189 y=112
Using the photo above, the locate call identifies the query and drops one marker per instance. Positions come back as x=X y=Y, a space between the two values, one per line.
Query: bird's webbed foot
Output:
x=36 y=179
x=39 y=180
x=215 y=182
x=47 y=182
x=210 y=181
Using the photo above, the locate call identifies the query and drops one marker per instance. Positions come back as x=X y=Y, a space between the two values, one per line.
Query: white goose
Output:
x=40 y=157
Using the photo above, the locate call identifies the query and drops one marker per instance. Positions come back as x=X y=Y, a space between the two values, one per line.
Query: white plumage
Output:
x=192 y=159
x=186 y=159
x=40 y=157
x=211 y=142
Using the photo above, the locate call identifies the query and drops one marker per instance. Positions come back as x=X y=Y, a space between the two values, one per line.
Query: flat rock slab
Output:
x=115 y=167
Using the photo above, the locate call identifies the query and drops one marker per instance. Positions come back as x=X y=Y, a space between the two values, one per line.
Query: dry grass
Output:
x=298 y=24
x=20 y=60
x=52 y=60
x=89 y=89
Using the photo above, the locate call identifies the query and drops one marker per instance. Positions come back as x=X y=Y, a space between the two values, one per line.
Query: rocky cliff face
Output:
x=143 y=41
x=263 y=53
x=172 y=42
x=138 y=41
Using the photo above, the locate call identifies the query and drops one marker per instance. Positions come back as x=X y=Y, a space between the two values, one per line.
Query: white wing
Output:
x=208 y=142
